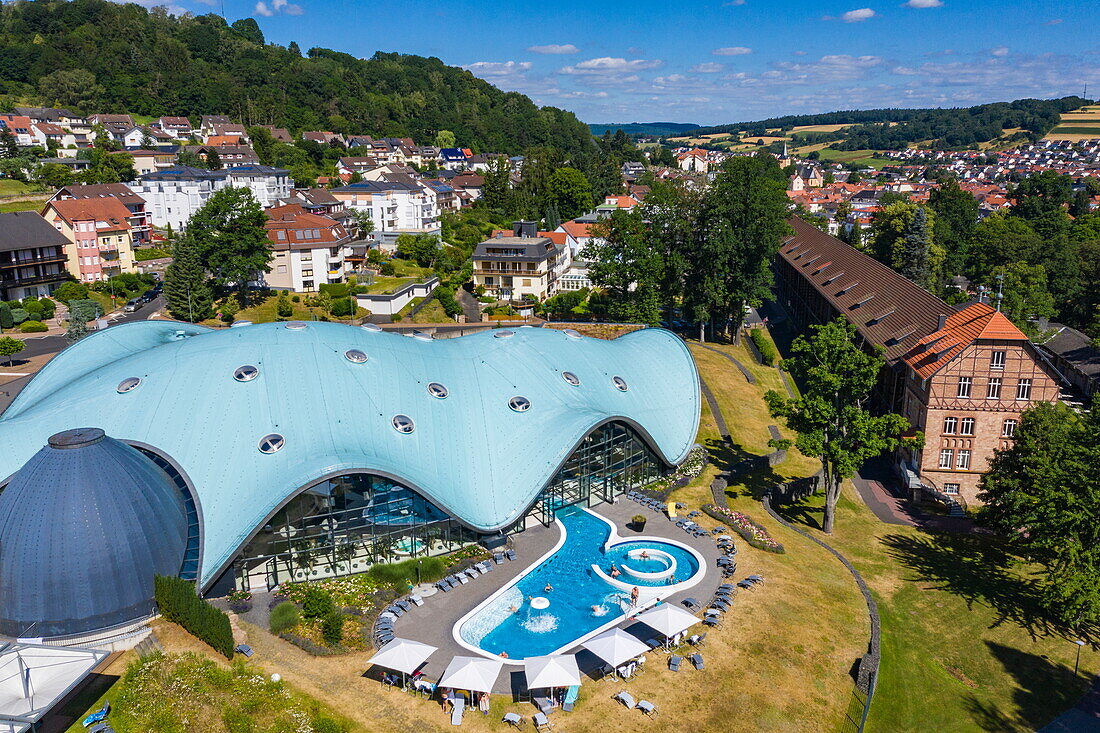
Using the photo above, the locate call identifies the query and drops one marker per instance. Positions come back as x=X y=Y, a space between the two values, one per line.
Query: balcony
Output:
x=34 y=261
x=10 y=282
x=511 y=273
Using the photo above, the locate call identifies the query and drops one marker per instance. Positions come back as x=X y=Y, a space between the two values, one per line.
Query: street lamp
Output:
x=1077 y=663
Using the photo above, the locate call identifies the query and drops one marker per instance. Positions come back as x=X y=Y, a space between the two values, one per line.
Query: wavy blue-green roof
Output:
x=470 y=453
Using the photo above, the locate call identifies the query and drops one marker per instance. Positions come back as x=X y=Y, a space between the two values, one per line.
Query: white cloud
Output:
x=710 y=67
x=554 y=48
x=277 y=7
x=732 y=3
x=835 y=67
x=584 y=95
x=495 y=69
x=211 y=3
x=924 y=4
x=857 y=16
x=608 y=66
x=732 y=51
x=1000 y=51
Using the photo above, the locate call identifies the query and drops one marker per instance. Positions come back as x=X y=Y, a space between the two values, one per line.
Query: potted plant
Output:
x=638 y=521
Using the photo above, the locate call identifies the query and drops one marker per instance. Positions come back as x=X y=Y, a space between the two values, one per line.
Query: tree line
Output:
x=94 y=55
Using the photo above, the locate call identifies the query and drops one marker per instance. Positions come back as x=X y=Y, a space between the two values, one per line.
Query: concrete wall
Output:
x=387 y=305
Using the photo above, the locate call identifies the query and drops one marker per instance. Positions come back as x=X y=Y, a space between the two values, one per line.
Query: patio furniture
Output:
x=626 y=699
x=473 y=573
x=390 y=679
x=746 y=584
x=459 y=703
x=692 y=604
x=498 y=558
x=647 y=707
x=712 y=621
x=697 y=661
x=698 y=640
x=403 y=605
x=721 y=604
x=694 y=514
x=98 y=715
x=510 y=554
x=711 y=612
x=726 y=586
x=674 y=663
x=416 y=600
x=570 y=698
x=395 y=610
x=654 y=642
x=543 y=703
x=244 y=649
x=755 y=579
x=513 y=720
x=542 y=722
x=462 y=578
x=101 y=728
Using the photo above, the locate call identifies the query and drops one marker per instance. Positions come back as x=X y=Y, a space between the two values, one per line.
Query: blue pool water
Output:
x=580 y=600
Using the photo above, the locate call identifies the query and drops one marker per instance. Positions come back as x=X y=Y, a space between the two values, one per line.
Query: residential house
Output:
x=961 y=376
x=100 y=243
x=807 y=176
x=527 y=263
x=150 y=161
x=173 y=195
x=348 y=166
x=20 y=127
x=323 y=137
x=61 y=117
x=308 y=249
x=140 y=224
x=394 y=207
x=320 y=201
x=231 y=133
x=178 y=127
x=45 y=133
x=234 y=156
x=470 y=184
x=452 y=159
x=136 y=137
x=694 y=161
x=445 y=195
x=32 y=256
x=114 y=125
x=207 y=123
x=1073 y=355
x=279 y=134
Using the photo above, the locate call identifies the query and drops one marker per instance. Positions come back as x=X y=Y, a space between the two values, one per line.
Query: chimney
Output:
x=941 y=322
x=525 y=229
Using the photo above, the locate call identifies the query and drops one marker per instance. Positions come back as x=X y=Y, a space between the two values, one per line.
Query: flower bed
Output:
x=684 y=474
x=743 y=525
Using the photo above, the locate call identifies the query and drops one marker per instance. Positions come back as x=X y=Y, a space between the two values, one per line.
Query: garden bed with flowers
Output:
x=743 y=525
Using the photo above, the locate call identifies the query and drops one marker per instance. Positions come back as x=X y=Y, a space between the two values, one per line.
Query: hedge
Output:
x=743 y=525
x=768 y=354
x=284 y=616
x=178 y=602
x=397 y=575
x=33 y=327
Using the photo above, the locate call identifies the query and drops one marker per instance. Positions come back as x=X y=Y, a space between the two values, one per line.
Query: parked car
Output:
x=131 y=306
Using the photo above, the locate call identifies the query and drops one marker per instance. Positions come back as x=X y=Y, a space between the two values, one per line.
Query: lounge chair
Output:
x=395 y=610
x=570 y=698
x=513 y=720
x=694 y=514
x=462 y=578
x=101 y=728
x=674 y=663
x=544 y=704
x=416 y=600
x=498 y=558
x=459 y=707
x=510 y=554
x=755 y=579
x=726 y=586
x=698 y=640
x=403 y=605
x=712 y=621
x=654 y=643
x=647 y=707
x=244 y=649
x=713 y=612
x=98 y=715
x=473 y=573
x=691 y=604
x=444 y=585
x=542 y=722
x=697 y=661
x=746 y=584
x=626 y=699
x=720 y=604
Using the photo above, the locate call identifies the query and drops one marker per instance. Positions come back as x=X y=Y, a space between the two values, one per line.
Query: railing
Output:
x=34 y=261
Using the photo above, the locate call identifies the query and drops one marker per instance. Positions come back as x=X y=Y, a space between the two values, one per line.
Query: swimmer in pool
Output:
x=634 y=596
x=548 y=588
x=513 y=609
x=614 y=571
x=645 y=555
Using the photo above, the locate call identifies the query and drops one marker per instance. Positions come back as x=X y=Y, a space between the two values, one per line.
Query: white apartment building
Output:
x=173 y=195
x=394 y=207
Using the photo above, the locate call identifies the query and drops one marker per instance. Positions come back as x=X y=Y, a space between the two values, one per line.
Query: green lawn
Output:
x=863 y=157
x=1077 y=129
x=11 y=206
x=266 y=311
x=383 y=285
x=11 y=187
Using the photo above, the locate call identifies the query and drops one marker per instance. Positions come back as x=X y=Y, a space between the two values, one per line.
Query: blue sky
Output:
x=721 y=60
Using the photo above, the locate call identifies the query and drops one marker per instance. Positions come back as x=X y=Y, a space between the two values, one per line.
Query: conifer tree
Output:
x=189 y=298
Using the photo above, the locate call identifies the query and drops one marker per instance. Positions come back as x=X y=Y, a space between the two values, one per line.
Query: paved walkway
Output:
x=471 y=308
x=1082 y=718
x=749 y=376
x=871 y=482
x=434 y=622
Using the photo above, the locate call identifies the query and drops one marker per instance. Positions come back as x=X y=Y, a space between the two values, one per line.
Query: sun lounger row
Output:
x=646 y=501
x=461 y=578
x=628 y=700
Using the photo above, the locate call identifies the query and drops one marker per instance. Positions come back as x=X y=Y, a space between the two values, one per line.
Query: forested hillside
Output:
x=98 y=56
x=895 y=129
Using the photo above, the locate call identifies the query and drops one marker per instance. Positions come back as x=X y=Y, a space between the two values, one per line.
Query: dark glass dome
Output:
x=84 y=526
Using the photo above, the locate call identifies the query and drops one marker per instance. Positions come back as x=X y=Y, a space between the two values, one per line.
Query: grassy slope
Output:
x=11 y=187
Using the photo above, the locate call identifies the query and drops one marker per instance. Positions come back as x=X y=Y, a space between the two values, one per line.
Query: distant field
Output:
x=818 y=128
x=1078 y=124
x=863 y=157
x=6 y=208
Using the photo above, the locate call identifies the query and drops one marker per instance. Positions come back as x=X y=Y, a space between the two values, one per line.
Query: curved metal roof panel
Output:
x=470 y=453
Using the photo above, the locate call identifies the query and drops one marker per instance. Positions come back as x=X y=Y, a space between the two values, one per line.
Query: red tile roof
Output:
x=107 y=209
x=577 y=229
x=978 y=321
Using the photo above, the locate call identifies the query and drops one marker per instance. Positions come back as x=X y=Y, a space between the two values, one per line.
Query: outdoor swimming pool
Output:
x=582 y=600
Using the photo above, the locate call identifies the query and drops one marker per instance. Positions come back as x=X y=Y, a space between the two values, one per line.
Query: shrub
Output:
x=297 y=299
x=33 y=327
x=18 y=315
x=764 y=345
x=70 y=291
x=332 y=627
x=399 y=574
x=84 y=310
x=34 y=310
x=283 y=617
x=343 y=306
x=48 y=308
x=178 y=602
x=6 y=320
x=388 y=269
x=317 y=603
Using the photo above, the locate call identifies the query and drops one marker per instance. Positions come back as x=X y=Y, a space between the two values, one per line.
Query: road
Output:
x=54 y=344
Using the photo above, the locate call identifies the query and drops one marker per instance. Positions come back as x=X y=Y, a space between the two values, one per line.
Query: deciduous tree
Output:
x=229 y=236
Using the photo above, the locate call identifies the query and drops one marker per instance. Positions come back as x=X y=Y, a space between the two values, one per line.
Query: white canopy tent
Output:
x=615 y=647
x=668 y=620
x=558 y=670
x=34 y=677
x=476 y=674
x=403 y=655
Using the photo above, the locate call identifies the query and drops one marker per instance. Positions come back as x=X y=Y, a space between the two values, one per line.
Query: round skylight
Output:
x=128 y=385
x=572 y=333
x=372 y=327
x=572 y=378
x=272 y=443
x=504 y=334
x=437 y=390
x=355 y=356
x=620 y=384
x=403 y=424
x=519 y=404
x=295 y=326
x=246 y=373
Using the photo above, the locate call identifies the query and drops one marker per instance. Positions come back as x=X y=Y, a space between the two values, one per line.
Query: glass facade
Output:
x=345 y=525
x=190 y=568
x=610 y=461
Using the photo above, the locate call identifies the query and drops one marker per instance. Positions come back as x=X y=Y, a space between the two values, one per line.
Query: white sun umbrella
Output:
x=668 y=619
x=403 y=655
x=556 y=670
x=476 y=674
x=615 y=647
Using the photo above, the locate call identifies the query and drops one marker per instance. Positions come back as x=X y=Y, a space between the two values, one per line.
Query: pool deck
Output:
x=433 y=622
